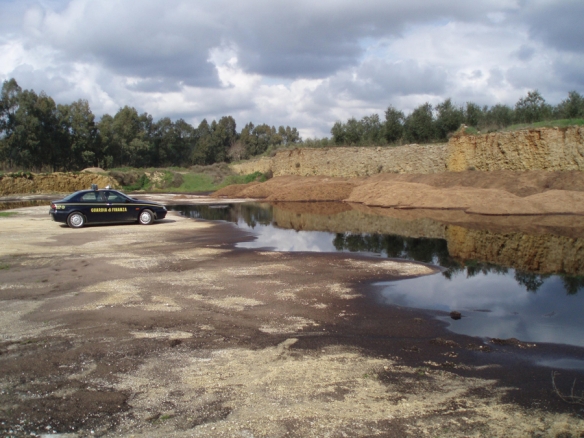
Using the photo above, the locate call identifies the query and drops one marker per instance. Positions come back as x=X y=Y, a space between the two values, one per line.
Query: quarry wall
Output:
x=351 y=161
x=534 y=149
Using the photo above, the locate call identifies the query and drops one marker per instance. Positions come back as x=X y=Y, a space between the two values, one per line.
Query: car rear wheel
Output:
x=76 y=220
x=146 y=217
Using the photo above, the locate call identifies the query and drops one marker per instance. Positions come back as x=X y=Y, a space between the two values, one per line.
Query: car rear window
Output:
x=89 y=197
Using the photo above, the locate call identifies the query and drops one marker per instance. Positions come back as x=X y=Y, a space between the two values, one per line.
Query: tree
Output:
x=473 y=114
x=572 y=107
x=393 y=129
x=29 y=136
x=289 y=135
x=371 y=130
x=79 y=136
x=532 y=108
x=203 y=133
x=448 y=120
x=129 y=138
x=498 y=116
x=419 y=125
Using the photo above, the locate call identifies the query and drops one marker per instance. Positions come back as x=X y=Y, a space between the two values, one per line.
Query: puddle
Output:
x=506 y=284
x=496 y=305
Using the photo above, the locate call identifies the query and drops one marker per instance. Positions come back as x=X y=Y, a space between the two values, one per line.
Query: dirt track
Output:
x=169 y=330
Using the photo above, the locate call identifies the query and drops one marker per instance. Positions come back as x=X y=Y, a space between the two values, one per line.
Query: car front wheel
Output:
x=146 y=217
x=76 y=220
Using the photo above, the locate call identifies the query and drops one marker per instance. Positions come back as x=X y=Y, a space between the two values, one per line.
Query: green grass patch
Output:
x=244 y=179
x=180 y=180
x=562 y=123
x=469 y=130
x=196 y=182
x=3 y=266
x=7 y=214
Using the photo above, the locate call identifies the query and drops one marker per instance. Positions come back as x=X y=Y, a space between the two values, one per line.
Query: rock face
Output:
x=535 y=149
x=53 y=183
x=351 y=161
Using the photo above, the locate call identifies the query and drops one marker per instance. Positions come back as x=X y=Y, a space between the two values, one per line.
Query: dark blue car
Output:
x=104 y=206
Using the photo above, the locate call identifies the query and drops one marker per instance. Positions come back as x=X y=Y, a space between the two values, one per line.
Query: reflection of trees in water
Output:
x=422 y=250
x=425 y=250
x=573 y=284
x=251 y=214
x=532 y=282
x=207 y=212
x=436 y=251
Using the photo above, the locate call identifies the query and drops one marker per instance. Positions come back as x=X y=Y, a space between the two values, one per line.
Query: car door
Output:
x=90 y=205
x=119 y=206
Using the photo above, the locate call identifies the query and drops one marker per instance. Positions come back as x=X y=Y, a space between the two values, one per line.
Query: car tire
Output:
x=146 y=217
x=76 y=220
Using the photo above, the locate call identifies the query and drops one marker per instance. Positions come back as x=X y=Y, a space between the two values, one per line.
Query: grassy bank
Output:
x=195 y=179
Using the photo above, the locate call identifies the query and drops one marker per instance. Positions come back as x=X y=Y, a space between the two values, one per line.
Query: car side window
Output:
x=114 y=197
x=88 y=197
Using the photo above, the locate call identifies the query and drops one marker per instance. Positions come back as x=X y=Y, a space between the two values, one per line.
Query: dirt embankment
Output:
x=52 y=183
x=486 y=193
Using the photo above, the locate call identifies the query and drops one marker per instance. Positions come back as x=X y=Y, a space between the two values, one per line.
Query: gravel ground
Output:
x=168 y=330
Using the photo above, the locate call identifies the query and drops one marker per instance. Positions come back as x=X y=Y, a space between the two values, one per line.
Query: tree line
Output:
x=429 y=123
x=37 y=134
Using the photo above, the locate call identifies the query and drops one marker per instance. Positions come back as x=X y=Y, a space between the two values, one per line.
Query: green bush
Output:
x=245 y=179
x=142 y=183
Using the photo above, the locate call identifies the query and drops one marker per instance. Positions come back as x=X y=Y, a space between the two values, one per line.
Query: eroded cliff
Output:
x=535 y=149
x=559 y=149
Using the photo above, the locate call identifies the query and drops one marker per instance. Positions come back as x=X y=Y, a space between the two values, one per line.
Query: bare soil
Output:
x=497 y=193
x=169 y=330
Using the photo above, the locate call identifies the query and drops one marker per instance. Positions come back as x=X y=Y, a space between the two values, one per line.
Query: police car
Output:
x=104 y=206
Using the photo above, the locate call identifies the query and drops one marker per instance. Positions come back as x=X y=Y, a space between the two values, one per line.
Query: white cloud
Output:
x=303 y=64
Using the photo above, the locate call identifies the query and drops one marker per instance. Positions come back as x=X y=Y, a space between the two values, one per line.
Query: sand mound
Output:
x=486 y=193
x=94 y=170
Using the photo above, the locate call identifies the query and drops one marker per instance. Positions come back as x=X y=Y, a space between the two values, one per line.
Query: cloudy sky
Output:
x=302 y=63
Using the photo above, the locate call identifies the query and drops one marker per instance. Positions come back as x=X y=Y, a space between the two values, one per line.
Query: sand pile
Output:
x=486 y=193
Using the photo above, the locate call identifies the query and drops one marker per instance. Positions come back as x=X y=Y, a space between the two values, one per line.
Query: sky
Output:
x=301 y=63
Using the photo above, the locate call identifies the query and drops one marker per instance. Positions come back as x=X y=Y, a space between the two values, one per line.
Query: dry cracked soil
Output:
x=170 y=330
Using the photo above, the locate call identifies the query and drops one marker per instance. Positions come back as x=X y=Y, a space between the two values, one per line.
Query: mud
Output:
x=169 y=330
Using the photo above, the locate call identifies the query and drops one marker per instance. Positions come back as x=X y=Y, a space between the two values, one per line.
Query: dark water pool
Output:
x=496 y=301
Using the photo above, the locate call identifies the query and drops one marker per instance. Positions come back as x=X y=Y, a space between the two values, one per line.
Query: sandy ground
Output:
x=169 y=330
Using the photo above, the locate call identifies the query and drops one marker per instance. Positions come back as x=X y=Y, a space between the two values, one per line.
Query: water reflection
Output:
x=273 y=229
x=532 y=293
x=495 y=305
